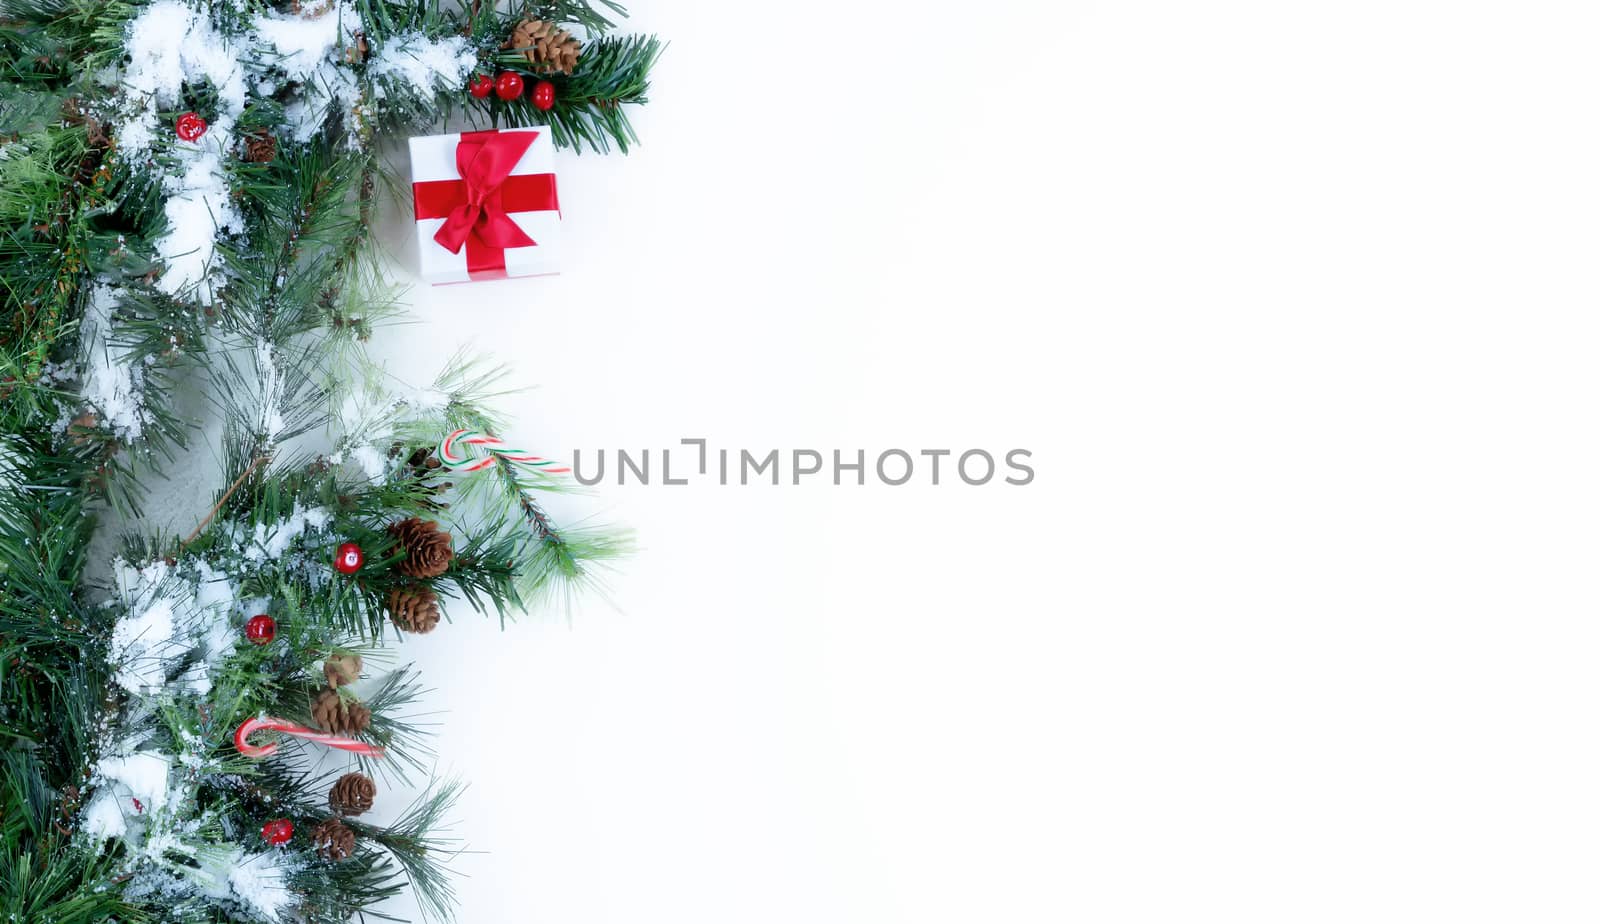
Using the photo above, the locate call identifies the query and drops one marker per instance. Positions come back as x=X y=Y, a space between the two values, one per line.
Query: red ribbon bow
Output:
x=474 y=207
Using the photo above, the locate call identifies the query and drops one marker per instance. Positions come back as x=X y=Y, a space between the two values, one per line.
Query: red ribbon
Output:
x=474 y=207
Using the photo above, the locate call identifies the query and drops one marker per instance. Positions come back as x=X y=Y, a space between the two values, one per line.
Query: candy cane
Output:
x=267 y=723
x=457 y=459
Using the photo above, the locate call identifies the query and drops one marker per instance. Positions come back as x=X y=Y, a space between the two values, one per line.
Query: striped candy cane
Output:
x=267 y=723
x=455 y=456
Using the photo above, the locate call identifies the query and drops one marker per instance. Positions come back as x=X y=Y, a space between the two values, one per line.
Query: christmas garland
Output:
x=202 y=725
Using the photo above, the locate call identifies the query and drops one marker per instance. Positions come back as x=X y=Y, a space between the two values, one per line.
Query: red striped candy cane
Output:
x=455 y=457
x=267 y=723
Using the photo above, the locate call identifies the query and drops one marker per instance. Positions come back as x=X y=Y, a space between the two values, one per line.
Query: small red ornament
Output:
x=508 y=85
x=261 y=629
x=278 y=831
x=481 y=86
x=191 y=126
x=544 y=95
x=138 y=806
x=348 y=558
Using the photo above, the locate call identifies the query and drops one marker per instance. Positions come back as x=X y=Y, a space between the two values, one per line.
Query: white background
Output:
x=1295 y=306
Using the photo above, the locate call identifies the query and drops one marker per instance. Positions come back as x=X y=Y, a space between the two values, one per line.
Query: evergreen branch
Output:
x=612 y=72
x=416 y=844
x=255 y=463
x=157 y=671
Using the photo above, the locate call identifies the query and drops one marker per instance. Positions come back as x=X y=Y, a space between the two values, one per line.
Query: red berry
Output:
x=508 y=85
x=481 y=86
x=278 y=831
x=261 y=629
x=191 y=126
x=544 y=95
x=348 y=558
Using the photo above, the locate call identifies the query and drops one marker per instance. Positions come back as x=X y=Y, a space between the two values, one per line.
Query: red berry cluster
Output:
x=508 y=86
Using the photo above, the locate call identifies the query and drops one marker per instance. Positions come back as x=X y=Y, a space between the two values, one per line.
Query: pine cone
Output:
x=427 y=547
x=99 y=135
x=547 y=46
x=424 y=466
x=74 y=113
x=342 y=669
x=333 y=840
x=356 y=51
x=82 y=428
x=423 y=462
x=260 y=147
x=352 y=794
x=333 y=714
x=414 y=609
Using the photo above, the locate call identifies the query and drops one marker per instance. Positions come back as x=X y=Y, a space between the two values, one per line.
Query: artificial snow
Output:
x=373 y=463
x=367 y=416
x=330 y=87
x=269 y=542
x=213 y=636
x=198 y=209
x=142 y=641
x=174 y=48
x=11 y=481
x=171 y=45
x=425 y=400
x=102 y=817
x=144 y=774
x=300 y=43
x=261 y=882
x=309 y=47
x=257 y=883
x=269 y=417
x=113 y=383
x=168 y=616
x=424 y=65
x=128 y=786
x=137 y=645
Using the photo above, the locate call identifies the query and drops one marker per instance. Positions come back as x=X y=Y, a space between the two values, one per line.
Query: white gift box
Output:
x=480 y=205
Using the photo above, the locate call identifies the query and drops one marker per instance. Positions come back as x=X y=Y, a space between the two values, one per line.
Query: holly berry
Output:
x=278 y=831
x=348 y=559
x=261 y=629
x=480 y=86
x=138 y=806
x=508 y=85
x=191 y=126
x=544 y=95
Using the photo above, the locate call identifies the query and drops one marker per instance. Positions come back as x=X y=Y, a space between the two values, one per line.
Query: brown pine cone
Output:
x=424 y=466
x=547 y=46
x=423 y=462
x=414 y=609
x=82 y=428
x=73 y=113
x=260 y=147
x=333 y=713
x=342 y=669
x=352 y=794
x=427 y=547
x=356 y=50
x=333 y=840
x=99 y=135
